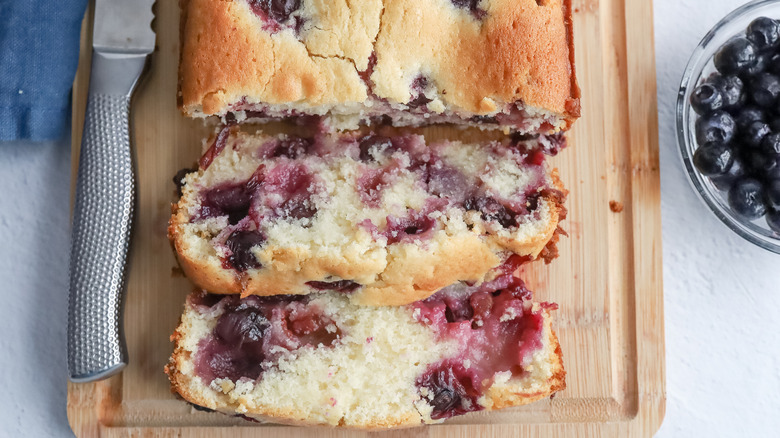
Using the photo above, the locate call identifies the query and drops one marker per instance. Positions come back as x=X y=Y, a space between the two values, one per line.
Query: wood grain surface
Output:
x=607 y=279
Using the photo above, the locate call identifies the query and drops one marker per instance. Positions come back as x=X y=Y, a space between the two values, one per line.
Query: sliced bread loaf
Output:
x=318 y=359
x=390 y=219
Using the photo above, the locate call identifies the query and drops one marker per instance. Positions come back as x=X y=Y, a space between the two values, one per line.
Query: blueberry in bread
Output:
x=492 y=64
x=389 y=220
x=320 y=360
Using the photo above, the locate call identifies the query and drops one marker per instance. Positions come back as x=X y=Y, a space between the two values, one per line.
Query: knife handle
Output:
x=102 y=221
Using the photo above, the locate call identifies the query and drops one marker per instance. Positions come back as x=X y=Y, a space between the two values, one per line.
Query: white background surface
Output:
x=722 y=295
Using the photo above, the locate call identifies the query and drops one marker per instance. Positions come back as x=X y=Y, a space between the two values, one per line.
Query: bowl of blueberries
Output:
x=728 y=122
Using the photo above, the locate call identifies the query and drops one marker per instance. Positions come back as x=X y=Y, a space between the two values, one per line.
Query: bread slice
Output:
x=493 y=64
x=320 y=360
x=389 y=219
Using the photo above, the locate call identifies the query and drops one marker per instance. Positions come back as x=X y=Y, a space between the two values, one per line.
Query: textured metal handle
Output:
x=102 y=222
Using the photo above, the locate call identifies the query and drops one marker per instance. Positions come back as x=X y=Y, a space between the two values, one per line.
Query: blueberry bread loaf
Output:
x=487 y=63
x=390 y=220
x=318 y=359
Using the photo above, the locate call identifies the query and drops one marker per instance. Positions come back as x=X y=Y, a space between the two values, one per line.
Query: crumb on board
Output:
x=615 y=206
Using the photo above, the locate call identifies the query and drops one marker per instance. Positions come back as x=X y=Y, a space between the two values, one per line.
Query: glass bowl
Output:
x=700 y=66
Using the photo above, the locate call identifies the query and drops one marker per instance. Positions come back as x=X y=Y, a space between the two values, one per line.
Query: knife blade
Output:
x=123 y=41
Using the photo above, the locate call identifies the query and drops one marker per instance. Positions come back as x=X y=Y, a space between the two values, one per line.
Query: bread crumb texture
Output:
x=367 y=379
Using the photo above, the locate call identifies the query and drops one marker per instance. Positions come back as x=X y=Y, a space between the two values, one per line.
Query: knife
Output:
x=123 y=41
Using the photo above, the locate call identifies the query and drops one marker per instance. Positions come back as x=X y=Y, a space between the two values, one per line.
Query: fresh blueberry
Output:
x=713 y=159
x=747 y=115
x=731 y=88
x=754 y=134
x=759 y=163
x=761 y=65
x=773 y=173
x=716 y=127
x=771 y=144
x=774 y=124
x=773 y=195
x=773 y=220
x=773 y=65
x=765 y=89
x=746 y=198
x=735 y=56
x=735 y=172
x=240 y=244
x=764 y=33
x=706 y=98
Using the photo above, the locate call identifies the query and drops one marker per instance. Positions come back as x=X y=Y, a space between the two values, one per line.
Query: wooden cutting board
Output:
x=607 y=279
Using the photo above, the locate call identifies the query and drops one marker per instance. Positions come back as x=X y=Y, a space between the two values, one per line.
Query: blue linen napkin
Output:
x=39 y=47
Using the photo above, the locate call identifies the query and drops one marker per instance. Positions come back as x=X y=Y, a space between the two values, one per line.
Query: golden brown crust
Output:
x=557 y=197
x=225 y=55
x=409 y=273
x=520 y=51
x=413 y=274
x=573 y=107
